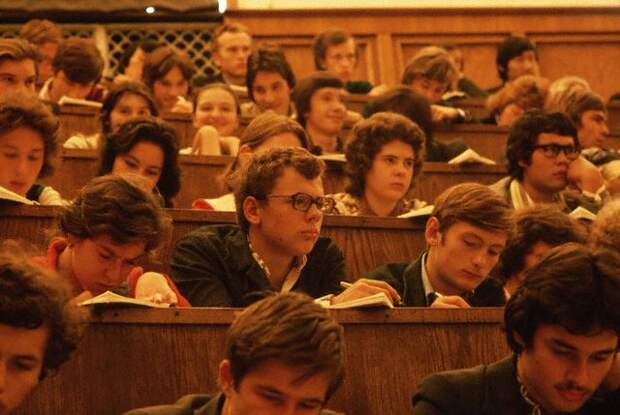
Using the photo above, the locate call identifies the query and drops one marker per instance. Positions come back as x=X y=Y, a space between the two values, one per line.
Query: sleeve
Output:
x=198 y=269
x=51 y=197
x=201 y=204
x=436 y=396
x=392 y=274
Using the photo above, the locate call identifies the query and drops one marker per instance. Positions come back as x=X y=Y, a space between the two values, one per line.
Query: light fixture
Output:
x=150 y=10
x=222 y=5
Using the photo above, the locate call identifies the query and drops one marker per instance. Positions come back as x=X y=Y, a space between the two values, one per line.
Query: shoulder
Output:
x=489 y=293
x=501 y=186
x=212 y=237
x=49 y=196
x=187 y=405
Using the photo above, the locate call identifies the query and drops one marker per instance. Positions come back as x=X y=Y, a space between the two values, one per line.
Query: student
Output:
x=38 y=331
x=283 y=354
x=18 y=66
x=77 y=68
x=268 y=130
x=402 y=100
x=231 y=45
x=537 y=230
x=270 y=81
x=111 y=226
x=319 y=100
x=216 y=119
x=125 y=102
x=383 y=159
x=516 y=98
x=541 y=149
x=27 y=145
x=168 y=74
x=335 y=51
x=430 y=73
x=516 y=56
x=148 y=147
x=563 y=326
x=275 y=247
x=605 y=231
x=46 y=36
x=465 y=236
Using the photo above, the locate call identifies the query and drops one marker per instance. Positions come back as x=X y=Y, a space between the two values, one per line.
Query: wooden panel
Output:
x=614 y=114
x=115 y=369
x=367 y=242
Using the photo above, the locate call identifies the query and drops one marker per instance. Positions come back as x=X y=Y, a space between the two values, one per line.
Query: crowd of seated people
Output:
x=512 y=244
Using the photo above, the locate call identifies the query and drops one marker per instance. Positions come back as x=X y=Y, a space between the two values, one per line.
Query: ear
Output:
x=518 y=339
x=225 y=378
x=215 y=57
x=432 y=233
x=252 y=210
x=523 y=164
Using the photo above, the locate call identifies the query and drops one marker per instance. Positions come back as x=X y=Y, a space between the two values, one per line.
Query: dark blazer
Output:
x=406 y=278
x=213 y=267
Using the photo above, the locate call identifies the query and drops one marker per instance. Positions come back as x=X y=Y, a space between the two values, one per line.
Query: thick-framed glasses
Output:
x=553 y=150
x=303 y=201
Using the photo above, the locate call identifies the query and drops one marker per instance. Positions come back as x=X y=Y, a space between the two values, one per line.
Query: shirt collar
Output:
x=293 y=275
x=426 y=283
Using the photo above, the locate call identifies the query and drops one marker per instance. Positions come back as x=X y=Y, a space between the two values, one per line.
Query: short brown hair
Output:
x=324 y=40
x=306 y=88
x=431 y=62
x=227 y=28
x=268 y=58
x=542 y=223
x=527 y=91
x=18 y=50
x=257 y=177
x=475 y=204
x=32 y=297
x=159 y=62
x=41 y=31
x=119 y=206
x=581 y=101
x=79 y=59
x=369 y=137
x=19 y=110
x=289 y=328
x=606 y=228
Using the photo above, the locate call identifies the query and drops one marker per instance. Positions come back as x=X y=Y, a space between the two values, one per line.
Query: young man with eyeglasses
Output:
x=541 y=149
x=275 y=247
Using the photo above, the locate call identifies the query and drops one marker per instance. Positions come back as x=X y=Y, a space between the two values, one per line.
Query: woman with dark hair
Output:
x=383 y=158
x=148 y=147
x=127 y=101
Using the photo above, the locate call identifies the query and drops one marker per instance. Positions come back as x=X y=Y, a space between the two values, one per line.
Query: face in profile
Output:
x=128 y=107
x=168 y=89
x=232 y=53
x=271 y=388
x=22 y=152
x=389 y=177
x=144 y=158
x=271 y=92
x=218 y=108
x=22 y=351
x=524 y=64
x=561 y=370
x=464 y=255
x=18 y=76
x=340 y=59
x=593 y=130
x=99 y=264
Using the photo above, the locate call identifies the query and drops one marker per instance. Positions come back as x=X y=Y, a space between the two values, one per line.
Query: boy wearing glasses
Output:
x=276 y=246
x=540 y=151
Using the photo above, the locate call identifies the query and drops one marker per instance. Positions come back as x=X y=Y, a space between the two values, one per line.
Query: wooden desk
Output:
x=366 y=242
x=132 y=358
x=487 y=140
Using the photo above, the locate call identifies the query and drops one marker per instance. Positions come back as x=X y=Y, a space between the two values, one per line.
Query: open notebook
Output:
x=375 y=300
x=111 y=298
x=6 y=194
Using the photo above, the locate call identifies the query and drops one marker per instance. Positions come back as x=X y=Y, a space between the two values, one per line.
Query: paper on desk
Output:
x=470 y=156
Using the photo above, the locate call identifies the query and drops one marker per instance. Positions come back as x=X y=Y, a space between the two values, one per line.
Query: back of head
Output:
x=32 y=297
x=269 y=124
x=605 y=231
x=325 y=39
x=542 y=223
x=402 y=100
x=511 y=47
x=152 y=130
x=20 y=110
x=122 y=207
x=431 y=62
x=258 y=176
x=524 y=134
x=369 y=137
x=160 y=61
x=574 y=286
x=527 y=91
x=268 y=58
x=289 y=328
x=18 y=50
x=79 y=59
x=561 y=90
x=41 y=31
x=580 y=101
x=116 y=93
x=308 y=86
x=475 y=204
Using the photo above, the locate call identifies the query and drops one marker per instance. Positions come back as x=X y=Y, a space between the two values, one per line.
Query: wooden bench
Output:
x=367 y=242
x=132 y=357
